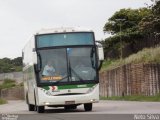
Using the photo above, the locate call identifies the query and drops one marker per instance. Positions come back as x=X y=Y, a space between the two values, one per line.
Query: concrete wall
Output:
x=131 y=79
x=16 y=93
x=17 y=76
x=12 y=93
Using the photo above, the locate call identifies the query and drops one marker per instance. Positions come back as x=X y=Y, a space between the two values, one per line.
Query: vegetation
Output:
x=123 y=26
x=134 y=98
x=10 y=65
x=147 y=55
x=2 y=101
x=127 y=18
x=151 y=23
x=7 y=84
x=129 y=27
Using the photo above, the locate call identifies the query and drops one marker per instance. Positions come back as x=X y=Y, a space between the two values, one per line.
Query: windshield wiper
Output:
x=70 y=75
x=77 y=76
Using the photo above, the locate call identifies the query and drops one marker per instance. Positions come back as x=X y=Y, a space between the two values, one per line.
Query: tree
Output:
x=123 y=25
x=130 y=19
x=9 y=65
x=17 y=61
x=151 y=23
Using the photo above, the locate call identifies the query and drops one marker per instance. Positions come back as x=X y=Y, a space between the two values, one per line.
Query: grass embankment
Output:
x=7 y=83
x=147 y=55
x=134 y=98
x=2 y=101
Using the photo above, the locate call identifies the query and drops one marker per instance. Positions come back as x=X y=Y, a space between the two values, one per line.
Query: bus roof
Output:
x=63 y=30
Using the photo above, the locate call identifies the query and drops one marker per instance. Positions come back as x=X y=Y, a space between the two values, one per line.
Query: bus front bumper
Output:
x=47 y=100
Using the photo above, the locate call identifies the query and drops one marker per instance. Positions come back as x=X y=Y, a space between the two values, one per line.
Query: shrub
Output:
x=2 y=101
x=8 y=83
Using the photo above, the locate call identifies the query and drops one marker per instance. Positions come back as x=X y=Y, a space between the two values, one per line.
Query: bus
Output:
x=60 y=69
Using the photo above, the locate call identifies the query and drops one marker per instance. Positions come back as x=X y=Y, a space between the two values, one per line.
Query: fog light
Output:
x=92 y=100
x=46 y=103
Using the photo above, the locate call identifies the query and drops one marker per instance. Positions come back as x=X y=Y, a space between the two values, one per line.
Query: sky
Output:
x=20 y=19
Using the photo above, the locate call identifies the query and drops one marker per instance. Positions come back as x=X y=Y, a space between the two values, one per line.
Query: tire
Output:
x=27 y=101
x=88 y=106
x=31 y=107
x=40 y=109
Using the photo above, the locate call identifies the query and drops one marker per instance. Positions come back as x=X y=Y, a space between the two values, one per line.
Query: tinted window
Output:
x=64 y=39
x=67 y=65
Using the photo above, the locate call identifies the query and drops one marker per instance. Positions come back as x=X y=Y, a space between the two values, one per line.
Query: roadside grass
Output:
x=155 y=98
x=147 y=55
x=7 y=83
x=2 y=101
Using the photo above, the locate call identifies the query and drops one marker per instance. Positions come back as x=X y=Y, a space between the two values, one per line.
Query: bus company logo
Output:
x=54 y=89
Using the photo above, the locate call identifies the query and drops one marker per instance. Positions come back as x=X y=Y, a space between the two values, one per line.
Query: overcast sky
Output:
x=19 y=19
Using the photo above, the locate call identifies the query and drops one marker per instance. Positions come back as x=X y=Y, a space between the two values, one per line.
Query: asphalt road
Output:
x=101 y=110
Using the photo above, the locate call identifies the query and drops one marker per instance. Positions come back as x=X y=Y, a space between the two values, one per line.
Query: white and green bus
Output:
x=60 y=69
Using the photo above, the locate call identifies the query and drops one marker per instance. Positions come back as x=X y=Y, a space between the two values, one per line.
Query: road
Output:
x=101 y=108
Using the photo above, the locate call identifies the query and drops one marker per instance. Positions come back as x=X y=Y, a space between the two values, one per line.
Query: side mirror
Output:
x=100 y=53
x=34 y=58
x=37 y=62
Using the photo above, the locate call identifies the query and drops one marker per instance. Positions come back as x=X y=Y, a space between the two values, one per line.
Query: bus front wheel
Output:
x=88 y=106
x=31 y=107
x=40 y=109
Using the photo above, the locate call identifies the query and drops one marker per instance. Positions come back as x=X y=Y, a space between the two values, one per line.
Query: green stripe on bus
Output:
x=46 y=87
x=76 y=86
x=70 y=86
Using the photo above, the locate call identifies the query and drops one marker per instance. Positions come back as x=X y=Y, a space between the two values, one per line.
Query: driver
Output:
x=49 y=70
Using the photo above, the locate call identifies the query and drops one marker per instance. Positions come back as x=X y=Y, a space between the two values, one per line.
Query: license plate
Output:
x=69 y=102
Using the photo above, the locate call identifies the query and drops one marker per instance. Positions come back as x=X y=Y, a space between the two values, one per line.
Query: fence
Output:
x=131 y=79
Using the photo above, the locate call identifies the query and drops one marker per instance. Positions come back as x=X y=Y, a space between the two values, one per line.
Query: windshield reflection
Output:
x=67 y=65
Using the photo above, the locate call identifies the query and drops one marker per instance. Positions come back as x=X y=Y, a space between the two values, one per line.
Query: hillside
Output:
x=147 y=55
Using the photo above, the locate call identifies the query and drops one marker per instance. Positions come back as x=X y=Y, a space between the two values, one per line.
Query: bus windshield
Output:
x=66 y=65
